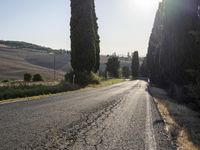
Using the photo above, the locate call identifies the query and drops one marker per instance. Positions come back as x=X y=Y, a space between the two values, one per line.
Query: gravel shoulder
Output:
x=181 y=123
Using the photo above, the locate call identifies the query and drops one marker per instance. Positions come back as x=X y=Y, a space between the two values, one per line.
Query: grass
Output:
x=36 y=91
x=16 y=83
x=104 y=82
x=181 y=123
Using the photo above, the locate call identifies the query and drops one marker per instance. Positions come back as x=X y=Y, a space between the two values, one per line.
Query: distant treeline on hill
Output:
x=21 y=44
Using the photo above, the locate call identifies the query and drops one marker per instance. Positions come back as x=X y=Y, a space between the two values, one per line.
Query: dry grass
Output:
x=30 y=98
x=106 y=83
x=182 y=124
x=19 y=83
x=15 y=62
x=184 y=141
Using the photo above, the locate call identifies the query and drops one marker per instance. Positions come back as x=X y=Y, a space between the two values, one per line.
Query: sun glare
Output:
x=145 y=4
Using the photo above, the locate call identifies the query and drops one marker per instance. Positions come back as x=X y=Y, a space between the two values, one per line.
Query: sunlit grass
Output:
x=181 y=123
x=106 y=82
x=25 y=93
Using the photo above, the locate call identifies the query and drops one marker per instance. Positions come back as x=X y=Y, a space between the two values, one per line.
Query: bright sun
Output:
x=146 y=4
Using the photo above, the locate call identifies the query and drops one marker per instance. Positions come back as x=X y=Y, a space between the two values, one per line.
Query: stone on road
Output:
x=118 y=117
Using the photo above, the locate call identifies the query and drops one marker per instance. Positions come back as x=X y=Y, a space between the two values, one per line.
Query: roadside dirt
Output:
x=181 y=123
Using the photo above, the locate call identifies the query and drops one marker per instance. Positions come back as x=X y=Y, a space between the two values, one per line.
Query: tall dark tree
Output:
x=173 y=53
x=84 y=37
x=125 y=71
x=143 y=69
x=135 y=64
x=153 y=63
x=97 y=40
x=113 y=66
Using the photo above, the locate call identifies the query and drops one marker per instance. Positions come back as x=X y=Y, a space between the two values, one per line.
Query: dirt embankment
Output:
x=181 y=123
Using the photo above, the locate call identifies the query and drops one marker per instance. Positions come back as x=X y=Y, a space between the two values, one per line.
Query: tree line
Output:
x=173 y=58
x=114 y=70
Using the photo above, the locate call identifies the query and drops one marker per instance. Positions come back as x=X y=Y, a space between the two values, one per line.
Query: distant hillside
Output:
x=16 y=62
x=20 y=44
x=17 y=58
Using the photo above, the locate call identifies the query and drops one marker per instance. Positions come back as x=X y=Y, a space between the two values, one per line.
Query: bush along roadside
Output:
x=82 y=78
x=23 y=90
x=34 y=90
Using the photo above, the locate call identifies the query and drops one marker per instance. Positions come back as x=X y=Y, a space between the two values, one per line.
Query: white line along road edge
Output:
x=150 y=142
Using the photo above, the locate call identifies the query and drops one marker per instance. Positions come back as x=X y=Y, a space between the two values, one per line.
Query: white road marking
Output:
x=150 y=142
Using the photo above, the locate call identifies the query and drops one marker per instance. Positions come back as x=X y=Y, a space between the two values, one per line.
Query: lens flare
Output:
x=145 y=4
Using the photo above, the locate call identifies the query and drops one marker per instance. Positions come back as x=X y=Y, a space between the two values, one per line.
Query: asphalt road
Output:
x=118 y=117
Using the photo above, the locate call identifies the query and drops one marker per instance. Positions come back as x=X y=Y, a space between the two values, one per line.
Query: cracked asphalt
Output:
x=118 y=117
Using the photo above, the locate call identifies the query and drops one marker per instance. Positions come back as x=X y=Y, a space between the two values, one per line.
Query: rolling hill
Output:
x=17 y=58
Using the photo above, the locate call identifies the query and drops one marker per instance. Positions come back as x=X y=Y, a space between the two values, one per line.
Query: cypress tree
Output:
x=113 y=66
x=173 y=54
x=97 y=39
x=83 y=36
x=135 y=64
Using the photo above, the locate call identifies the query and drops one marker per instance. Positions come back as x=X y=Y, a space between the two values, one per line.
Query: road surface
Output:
x=118 y=117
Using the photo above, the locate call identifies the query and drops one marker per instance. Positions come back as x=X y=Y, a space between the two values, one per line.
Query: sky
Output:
x=124 y=25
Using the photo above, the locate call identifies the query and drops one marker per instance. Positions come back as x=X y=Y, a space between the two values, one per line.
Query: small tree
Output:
x=125 y=72
x=27 y=77
x=37 y=77
x=113 y=66
x=135 y=64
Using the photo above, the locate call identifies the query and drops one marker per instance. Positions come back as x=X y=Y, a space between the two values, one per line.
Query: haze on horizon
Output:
x=124 y=25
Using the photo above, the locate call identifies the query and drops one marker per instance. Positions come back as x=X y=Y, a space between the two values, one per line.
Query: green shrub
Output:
x=94 y=79
x=5 y=81
x=27 y=77
x=34 y=90
x=82 y=78
x=69 y=76
x=37 y=77
x=126 y=72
